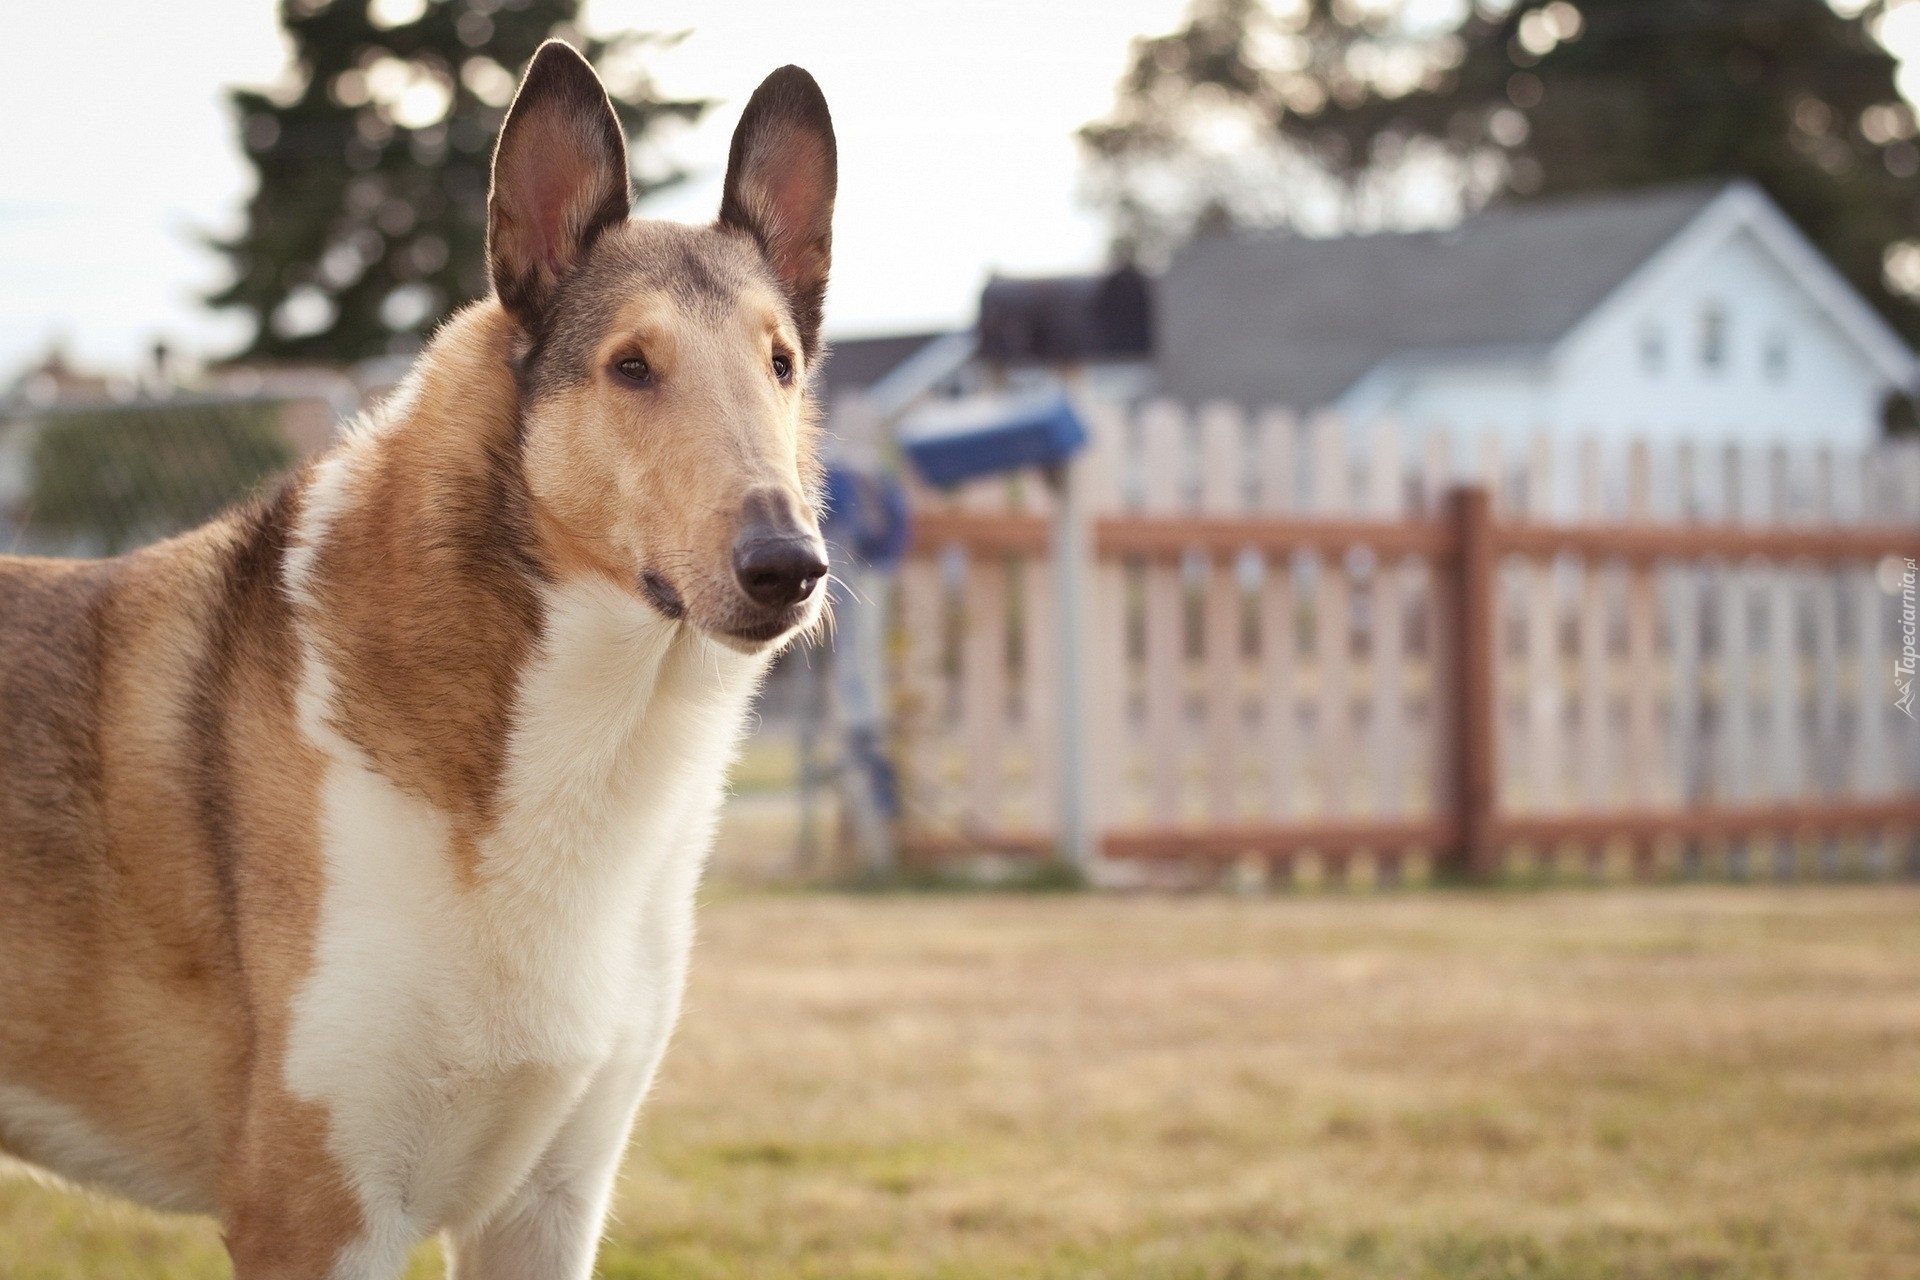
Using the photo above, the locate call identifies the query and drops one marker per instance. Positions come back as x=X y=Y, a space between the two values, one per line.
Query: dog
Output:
x=348 y=844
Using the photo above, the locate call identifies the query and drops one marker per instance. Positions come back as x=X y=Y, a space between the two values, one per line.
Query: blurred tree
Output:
x=372 y=153
x=1524 y=97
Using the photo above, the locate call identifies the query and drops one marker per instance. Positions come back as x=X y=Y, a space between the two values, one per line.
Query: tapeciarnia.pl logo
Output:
x=1903 y=667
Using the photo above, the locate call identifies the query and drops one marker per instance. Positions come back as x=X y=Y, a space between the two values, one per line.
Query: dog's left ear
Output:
x=560 y=178
x=781 y=176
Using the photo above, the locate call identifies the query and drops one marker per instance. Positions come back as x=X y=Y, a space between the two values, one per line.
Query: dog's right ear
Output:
x=560 y=178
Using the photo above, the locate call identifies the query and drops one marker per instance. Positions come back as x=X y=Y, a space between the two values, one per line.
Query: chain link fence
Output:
x=102 y=479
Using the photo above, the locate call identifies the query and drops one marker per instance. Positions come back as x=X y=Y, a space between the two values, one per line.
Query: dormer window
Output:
x=1653 y=350
x=1713 y=336
x=1777 y=357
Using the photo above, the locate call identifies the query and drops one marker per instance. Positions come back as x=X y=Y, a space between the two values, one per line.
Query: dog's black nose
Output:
x=777 y=568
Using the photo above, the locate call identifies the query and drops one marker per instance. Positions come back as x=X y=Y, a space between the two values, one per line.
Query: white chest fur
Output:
x=449 y=1027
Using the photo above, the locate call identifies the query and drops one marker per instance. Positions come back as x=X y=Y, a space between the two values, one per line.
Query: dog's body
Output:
x=348 y=844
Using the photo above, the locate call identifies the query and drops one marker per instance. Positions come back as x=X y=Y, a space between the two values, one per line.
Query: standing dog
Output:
x=348 y=844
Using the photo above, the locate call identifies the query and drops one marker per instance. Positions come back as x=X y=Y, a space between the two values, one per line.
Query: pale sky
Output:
x=955 y=119
x=955 y=122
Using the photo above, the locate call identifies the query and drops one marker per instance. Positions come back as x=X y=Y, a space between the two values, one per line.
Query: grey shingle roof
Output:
x=861 y=362
x=1265 y=318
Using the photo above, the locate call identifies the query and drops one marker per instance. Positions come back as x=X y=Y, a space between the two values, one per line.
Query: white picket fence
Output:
x=1242 y=690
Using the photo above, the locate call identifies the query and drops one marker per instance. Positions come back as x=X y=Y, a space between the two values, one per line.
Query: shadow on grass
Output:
x=969 y=875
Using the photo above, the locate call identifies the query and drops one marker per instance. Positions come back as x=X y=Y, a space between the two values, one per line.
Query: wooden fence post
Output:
x=1476 y=693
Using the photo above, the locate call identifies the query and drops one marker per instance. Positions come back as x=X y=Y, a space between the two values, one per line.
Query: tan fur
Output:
x=109 y=935
x=145 y=979
x=432 y=686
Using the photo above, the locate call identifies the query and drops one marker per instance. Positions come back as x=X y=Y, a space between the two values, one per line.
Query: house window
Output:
x=1713 y=336
x=1653 y=350
x=1777 y=356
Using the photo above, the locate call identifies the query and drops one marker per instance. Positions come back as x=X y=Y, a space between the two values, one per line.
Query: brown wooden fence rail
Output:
x=1363 y=659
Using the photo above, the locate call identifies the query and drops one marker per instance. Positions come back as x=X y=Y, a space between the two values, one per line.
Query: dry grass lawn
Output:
x=1681 y=1082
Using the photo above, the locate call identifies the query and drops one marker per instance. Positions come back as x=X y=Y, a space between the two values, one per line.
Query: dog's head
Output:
x=664 y=369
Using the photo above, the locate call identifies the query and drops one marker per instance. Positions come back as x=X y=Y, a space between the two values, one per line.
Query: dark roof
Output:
x=1050 y=319
x=1265 y=318
x=861 y=362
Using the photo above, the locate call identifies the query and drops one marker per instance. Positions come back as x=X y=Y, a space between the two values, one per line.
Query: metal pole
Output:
x=865 y=785
x=807 y=839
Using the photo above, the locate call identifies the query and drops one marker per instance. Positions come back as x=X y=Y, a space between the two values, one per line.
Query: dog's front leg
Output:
x=550 y=1227
x=289 y=1212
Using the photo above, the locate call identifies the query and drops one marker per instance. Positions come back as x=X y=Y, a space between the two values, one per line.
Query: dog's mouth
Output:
x=745 y=626
x=663 y=595
x=769 y=628
x=749 y=627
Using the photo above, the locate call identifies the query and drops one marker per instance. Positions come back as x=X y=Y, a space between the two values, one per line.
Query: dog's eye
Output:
x=635 y=369
x=783 y=368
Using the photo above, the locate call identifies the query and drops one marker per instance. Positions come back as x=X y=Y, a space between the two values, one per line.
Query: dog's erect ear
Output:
x=781 y=175
x=560 y=178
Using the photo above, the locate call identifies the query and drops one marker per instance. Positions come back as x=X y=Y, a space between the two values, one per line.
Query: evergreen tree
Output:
x=370 y=218
x=1536 y=97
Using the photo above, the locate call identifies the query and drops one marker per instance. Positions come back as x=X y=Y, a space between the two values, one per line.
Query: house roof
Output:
x=1052 y=319
x=1268 y=318
x=856 y=363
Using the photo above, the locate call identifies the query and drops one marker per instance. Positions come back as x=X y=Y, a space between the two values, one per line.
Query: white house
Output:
x=1697 y=310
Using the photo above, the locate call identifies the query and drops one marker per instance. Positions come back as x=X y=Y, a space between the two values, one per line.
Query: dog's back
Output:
x=55 y=876
x=51 y=837
x=117 y=959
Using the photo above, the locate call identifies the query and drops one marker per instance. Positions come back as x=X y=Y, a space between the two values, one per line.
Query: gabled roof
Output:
x=1743 y=208
x=1283 y=319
